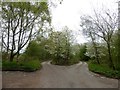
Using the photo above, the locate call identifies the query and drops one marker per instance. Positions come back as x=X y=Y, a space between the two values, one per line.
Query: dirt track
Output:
x=53 y=76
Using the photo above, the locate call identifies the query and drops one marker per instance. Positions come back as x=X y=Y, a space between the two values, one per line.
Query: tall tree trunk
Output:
x=18 y=54
x=8 y=39
x=96 y=53
x=11 y=56
x=111 y=64
x=95 y=48
x=13 y=47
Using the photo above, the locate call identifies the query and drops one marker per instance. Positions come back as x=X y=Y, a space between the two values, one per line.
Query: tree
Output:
x=60 y=46
x=82 y=52
x=118 y=36
x=104 y=28
x=115 y=50
x=37 y=50
x=68 y=38
x=19 y=21
x=88 y=29
x=57 y=49
x=33 y=50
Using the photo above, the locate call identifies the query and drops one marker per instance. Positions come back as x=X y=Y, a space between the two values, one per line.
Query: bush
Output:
x=31 y=65
x=82 y=53
x=7 y=65
x=74 y=60
x=103 y=70
x=33 y=49
x=37 y=51
x=59 y=59
x=71 y=61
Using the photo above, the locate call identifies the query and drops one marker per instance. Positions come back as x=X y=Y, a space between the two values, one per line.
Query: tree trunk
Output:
x=11 y=56
x=8 y=37
x=96 y=54
x=95 y=47
x=110 y=56
x=18 y=54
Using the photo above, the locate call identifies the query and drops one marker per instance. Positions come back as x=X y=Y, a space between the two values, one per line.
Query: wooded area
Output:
x=28 y=39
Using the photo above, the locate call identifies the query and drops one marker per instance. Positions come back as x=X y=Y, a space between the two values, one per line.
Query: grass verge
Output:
x=28 y=66
x=104 y=70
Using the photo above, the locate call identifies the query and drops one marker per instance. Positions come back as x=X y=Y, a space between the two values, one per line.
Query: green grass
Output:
x=6 y=65
x=103 y=70
x=29 y=66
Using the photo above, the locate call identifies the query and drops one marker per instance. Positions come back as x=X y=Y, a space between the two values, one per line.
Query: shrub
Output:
x=73 y=61
x=31 y=65
x=7 y=65
x=61 y=61
x=82 y=53
x=37 y=51
x=33 y=49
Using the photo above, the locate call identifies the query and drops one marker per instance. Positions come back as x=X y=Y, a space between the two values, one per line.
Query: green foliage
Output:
x=61 y=47
x=33 y=49
x=31 y=65
x=116 y=50
x=37 y=51
x=61 y=61
x=7 y=65
x=82 y=53
x=19 y=20
x=103 y=54
x=73 y=60
x=103 y=70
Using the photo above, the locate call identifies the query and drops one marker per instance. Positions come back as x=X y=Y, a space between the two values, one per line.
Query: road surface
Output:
x=53 y=76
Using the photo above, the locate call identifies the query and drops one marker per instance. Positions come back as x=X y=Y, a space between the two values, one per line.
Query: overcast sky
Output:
x=68 y=13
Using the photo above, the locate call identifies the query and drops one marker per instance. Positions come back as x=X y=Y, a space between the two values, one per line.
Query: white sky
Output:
x=68 y=13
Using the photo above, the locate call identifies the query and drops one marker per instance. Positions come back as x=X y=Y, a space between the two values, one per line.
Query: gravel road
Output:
x=53 y=76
